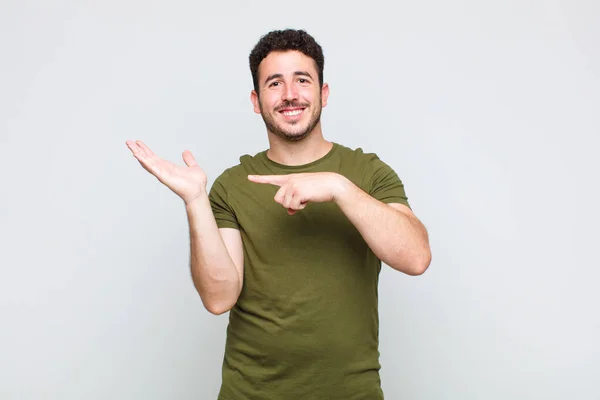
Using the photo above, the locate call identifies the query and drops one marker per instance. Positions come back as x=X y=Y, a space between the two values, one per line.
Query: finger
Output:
x=189 y=159
x=291 y=211
x=297 y=203
x=145 y=148
x=288 y=200
x=137 y=152
x=270 y=179
x=135 y=149
x=146 y=162
x=280 y=195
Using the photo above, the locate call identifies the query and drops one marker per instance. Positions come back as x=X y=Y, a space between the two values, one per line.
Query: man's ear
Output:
x=324 y=94
x=255 y=101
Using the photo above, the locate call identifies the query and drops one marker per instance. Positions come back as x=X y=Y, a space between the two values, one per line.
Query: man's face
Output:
x=289 y=97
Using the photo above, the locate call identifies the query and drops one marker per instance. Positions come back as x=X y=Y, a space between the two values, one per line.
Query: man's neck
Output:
x=305 y=151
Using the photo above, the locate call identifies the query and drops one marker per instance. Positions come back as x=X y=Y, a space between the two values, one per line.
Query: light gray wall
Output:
x=489 y=111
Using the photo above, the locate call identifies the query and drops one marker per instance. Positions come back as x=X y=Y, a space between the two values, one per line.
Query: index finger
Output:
x=270 y=179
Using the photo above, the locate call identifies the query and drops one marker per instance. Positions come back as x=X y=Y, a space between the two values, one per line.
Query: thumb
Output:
x=189 y=159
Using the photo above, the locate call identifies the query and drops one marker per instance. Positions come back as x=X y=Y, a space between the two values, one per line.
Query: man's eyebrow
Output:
x=297 y=73
x=303 y=73
x=274 y=76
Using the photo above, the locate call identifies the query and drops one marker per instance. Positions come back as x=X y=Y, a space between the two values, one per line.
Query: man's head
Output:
x=286 y=40
x=289 y=93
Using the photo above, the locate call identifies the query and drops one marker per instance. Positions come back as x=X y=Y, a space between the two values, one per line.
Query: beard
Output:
x=293 y=131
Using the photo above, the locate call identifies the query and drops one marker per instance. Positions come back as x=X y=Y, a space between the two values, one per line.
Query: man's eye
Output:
x=274 y=84
x=302 y=80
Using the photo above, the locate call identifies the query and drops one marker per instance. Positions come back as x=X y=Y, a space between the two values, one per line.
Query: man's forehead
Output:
x=286 y=62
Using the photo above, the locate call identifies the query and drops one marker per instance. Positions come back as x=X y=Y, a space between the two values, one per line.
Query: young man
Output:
x=290 y=241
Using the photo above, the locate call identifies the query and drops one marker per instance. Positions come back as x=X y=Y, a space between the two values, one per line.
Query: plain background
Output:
x=488 y=110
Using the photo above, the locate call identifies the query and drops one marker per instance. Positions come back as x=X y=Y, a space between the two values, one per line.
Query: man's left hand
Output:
x=296 y=190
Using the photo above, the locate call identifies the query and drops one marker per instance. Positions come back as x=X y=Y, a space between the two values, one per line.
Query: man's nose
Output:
x=290 y=92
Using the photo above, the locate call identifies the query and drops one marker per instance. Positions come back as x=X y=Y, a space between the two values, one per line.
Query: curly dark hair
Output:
x=285 y=40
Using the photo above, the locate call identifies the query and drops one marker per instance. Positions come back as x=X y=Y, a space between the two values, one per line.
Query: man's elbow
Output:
x=421 y=264
x=218 y=305
x=417 y=265
x=218 y=308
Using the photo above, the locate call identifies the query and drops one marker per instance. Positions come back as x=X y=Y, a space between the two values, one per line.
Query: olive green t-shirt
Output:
x=306 y=323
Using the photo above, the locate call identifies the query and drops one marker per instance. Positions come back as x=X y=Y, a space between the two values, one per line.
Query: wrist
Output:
x=198 y=198
x=343 y=188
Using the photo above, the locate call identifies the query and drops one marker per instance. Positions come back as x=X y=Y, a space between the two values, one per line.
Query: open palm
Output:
x=188 y=182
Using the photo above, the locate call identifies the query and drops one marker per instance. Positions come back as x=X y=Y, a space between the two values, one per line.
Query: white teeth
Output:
x=292 y=113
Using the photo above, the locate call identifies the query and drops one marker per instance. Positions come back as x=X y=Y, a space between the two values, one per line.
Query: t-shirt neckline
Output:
x=275 y=164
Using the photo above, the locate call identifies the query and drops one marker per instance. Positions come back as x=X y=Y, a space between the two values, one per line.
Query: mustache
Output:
x=291 y=104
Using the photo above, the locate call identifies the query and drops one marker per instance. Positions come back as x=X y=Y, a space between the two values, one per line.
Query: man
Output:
x=290 y=241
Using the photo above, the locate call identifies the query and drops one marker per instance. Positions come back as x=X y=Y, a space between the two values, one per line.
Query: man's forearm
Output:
x=214 y=273
x=398 y=239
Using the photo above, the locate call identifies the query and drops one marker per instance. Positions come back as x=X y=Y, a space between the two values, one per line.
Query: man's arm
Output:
x=392 y=231
x=217 y=258
x=216 y=255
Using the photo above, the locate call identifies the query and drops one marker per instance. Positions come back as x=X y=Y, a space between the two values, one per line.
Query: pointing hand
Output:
x=296 y=190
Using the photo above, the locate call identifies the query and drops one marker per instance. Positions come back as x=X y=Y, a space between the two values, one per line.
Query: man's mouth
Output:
x=291 y=112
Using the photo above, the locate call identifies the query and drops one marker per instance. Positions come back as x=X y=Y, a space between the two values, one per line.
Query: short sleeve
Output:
x=221 y=209
x=385 y=185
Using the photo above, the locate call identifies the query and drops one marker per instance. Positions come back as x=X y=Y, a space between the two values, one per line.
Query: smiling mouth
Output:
x=292 y=113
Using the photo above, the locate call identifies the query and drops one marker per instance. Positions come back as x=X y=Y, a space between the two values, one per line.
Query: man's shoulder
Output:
x=247 y=165
x=357 y=155
x=364 y=162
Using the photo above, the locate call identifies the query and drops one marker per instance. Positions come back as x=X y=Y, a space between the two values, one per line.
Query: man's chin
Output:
x=294 y=136
x=292 y=132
